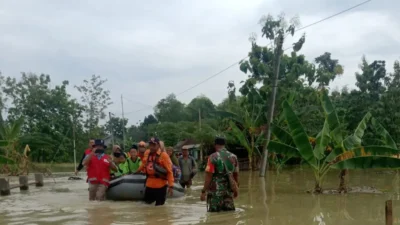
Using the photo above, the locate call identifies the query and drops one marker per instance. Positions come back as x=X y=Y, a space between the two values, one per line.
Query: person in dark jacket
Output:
x=87 y=151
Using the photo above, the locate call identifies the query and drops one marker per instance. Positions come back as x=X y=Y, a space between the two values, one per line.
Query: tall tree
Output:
x=169 y=109
x=2 y=95
x=116 y=125
x=327 y=69
x=96 y=100
x=46 y=110
x=148 y=120
x=199 y=105
x=274 y=30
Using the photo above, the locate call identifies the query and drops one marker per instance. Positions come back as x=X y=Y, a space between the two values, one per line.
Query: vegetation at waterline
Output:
x=330 y=149
x=50 y=113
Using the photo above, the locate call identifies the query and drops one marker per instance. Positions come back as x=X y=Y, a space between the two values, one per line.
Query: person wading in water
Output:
x=158 y=167
x=99 y=165
x=188 y=167
x=221 y=179
x=87 y=152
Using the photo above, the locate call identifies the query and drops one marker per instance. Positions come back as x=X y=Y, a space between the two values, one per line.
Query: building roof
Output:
x=180 y=144
x=191 y=146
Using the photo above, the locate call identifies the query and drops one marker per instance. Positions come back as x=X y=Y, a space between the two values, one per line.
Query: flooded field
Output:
x=280 y=201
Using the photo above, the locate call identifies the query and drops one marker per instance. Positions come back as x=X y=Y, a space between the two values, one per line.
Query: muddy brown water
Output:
x=279 y=200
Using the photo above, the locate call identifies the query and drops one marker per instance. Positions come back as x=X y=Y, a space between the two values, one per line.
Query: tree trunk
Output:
x=255 y=162
x=250 y=161
x=317 y=188
x=342 y=185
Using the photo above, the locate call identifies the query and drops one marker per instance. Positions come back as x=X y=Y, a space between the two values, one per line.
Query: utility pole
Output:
x=278 y=53
x=111 y=128
x=201 y=147
x=123 y=122
x=199 y=118
x=73 y=133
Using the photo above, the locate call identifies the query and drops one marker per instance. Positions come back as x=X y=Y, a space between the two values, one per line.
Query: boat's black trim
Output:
x=129 y=181
x=138 y=181
x=178 y=189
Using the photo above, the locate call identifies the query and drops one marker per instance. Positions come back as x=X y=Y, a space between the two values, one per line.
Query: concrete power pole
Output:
x=111 y=128
x=278 y=53
x=123 y=123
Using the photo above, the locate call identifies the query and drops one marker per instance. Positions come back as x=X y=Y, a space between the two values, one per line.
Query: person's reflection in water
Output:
x=100 y=215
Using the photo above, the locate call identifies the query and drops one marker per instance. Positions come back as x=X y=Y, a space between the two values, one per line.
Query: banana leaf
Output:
x=354 y=140
x=282 y=135
x=16 y=127
x=299 y=135
x=228 y=115
x=365 y=152
x=5 y=160
x=322 y=141
x=3 y=143
x=284 y=149
x=240 y=135
x=383 y=133
x=332 y=117
x=368 y=162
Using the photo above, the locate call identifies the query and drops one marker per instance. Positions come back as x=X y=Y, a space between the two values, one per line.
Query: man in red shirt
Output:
x=99 y=165
x=87 y=151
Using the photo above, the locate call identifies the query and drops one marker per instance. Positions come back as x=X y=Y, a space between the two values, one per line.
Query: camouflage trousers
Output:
x=220 y=202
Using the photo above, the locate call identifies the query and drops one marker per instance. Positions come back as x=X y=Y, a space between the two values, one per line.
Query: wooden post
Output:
x=389 y=212
x=23 y=183
x=4 y=187
x=39 y=179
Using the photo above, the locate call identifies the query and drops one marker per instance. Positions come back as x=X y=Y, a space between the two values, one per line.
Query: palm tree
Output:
x=347 y=153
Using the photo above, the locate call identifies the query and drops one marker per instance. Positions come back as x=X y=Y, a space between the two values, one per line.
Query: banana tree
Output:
x=347 y=152
x=12 y=141
x=247 y=130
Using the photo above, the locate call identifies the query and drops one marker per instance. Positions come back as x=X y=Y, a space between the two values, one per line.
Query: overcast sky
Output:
x=148 y=49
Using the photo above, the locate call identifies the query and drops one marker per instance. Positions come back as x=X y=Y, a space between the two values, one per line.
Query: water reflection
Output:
x=276 y=200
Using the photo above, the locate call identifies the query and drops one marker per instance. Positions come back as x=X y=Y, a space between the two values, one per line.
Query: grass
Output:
x=57 y=167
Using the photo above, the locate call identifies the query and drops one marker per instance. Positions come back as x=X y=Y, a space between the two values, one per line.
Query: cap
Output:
x=142 y=144
x=219 y=141
x=154 y=140
x=99 y=142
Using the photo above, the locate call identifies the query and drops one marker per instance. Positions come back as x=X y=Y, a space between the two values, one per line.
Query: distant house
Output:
x=191 y=145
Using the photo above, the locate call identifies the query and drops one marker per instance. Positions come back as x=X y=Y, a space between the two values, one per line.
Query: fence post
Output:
x=4 y=187
x=39 y=179
x=23 y=183
x=389 y=212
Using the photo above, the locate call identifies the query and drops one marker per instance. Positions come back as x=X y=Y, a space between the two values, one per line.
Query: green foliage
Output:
x=169 y=109
x=347 y=153
x=95 y=100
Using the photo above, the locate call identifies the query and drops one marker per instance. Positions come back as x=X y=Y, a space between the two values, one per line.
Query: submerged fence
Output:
x=5 y=187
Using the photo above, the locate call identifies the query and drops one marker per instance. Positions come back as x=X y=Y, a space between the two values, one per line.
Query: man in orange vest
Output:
x=99 y=165
x=158 y=167
x=87 y=152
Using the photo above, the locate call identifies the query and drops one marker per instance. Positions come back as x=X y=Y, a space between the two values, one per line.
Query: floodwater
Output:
x=280 y=201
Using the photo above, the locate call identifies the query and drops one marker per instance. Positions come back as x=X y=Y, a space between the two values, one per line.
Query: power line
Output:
x=136 y=102
x=227 y=68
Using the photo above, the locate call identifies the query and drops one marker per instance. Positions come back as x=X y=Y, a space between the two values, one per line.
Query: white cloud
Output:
x=148 y=50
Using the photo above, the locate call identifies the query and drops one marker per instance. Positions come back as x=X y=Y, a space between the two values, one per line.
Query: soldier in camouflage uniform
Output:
x=216 y=185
